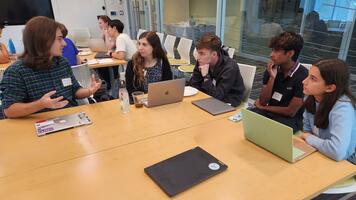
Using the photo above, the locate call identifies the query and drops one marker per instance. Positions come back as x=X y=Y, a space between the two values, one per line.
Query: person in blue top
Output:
x=70 y=51
x=330 y=117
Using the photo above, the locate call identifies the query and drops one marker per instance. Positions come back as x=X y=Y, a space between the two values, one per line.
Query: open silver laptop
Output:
x=97 y=45
x=44 y=127
x=274 y=137
x=165 y=92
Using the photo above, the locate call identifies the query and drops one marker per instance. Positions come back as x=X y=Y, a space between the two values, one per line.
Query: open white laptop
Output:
x=274 y=137
x=97 y=45
x=165 y=92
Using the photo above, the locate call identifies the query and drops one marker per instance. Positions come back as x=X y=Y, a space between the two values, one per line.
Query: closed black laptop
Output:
x=213 y=106
x=180 y=172
x=99 y=55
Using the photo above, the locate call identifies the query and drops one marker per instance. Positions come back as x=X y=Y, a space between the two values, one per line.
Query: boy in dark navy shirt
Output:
x=281 y=97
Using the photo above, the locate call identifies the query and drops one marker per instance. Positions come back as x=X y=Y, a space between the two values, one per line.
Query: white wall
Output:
x=117 y=9
x=15 y=33
x=75 y=14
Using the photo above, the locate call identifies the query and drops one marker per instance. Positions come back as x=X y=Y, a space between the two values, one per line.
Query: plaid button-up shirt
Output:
x=21 y=84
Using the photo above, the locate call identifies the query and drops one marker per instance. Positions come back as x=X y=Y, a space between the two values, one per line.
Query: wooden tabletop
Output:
x=91 y=56
x=115 y=62
x=21 y=150
x=117 y=173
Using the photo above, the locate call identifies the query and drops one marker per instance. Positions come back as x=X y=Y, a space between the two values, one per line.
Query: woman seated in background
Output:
x=103 y=22
x=330 y=115
x=4 y=55
x=70 y=51
x=148 y=65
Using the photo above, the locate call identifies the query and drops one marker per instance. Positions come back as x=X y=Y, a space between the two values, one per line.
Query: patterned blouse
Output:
x=153 y=74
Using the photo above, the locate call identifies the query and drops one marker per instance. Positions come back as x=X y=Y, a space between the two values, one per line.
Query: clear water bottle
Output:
x=124 y=98
x=11 y=46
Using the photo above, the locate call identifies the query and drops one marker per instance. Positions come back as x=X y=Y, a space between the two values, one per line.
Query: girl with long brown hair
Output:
x=330 y=116
x=148 y=65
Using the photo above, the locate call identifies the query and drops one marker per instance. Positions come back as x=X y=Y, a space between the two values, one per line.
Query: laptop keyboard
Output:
x=297 y=152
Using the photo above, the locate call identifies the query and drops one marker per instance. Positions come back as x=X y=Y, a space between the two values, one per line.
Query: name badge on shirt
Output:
x=67 y=82
x=277 y=96
x=214 y=82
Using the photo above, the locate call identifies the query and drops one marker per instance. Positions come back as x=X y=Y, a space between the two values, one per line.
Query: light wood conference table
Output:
x=21 y=150
x=117 y=173
x=115 y=62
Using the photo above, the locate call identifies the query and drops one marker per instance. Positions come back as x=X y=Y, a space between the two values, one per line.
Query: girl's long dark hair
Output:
x=333 y=71
x=158 y=53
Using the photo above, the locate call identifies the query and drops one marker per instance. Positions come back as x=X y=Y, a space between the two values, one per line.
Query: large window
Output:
x=143 y=15
x=189 y=18
x=327 y=26
x=232 y=26
x=264 y=19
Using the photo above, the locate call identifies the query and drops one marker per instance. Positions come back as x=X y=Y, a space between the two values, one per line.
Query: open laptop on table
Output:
x=99 y=55
x=274 y=137
x=97 y=45
x=165 y=92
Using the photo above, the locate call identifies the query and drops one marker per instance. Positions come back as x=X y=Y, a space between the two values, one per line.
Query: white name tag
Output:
x=277 y=96
x=214 y=82
x=66 y=82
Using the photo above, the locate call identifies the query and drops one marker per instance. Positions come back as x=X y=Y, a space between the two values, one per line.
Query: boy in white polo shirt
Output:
x=125 y=47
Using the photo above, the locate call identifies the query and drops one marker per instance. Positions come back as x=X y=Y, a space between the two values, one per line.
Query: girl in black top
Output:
x=148 y=65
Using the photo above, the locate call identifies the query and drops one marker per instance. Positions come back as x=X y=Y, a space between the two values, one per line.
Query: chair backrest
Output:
x=160 y=35
x=195 y=53
x=169 y=45
x=184 y=49
x=1 y=73
x=231 y=52
x=80 y=36
x=83 y=74
x=248 y=74
x=139 y=32
x=306 y=65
